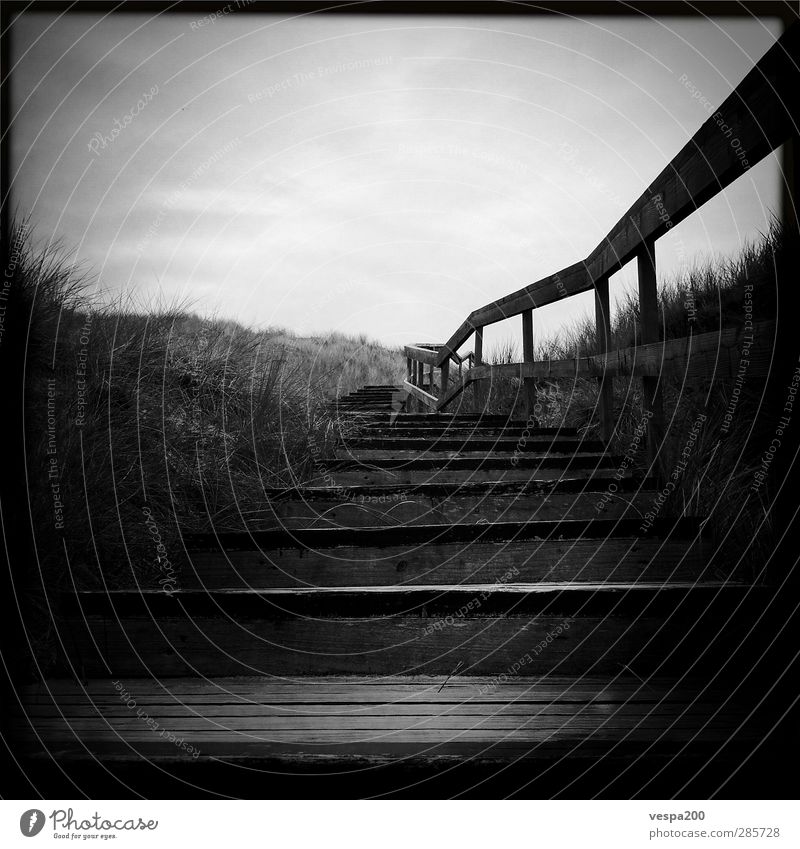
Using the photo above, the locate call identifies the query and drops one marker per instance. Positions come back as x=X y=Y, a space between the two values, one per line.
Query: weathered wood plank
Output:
x=218 y=645
x=621 y=689
x=705 y=355
x=649 y=323
x=602 y=309
x=406 y=507
x=420 y=394
x=589 y=561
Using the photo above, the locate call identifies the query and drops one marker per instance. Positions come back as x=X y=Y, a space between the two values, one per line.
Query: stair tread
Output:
x=356 y=716
x=540 y=587
x=575 y=485
x=687 y=527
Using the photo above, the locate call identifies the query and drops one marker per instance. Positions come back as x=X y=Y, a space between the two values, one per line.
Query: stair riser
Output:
x=539 y=445
x=445 y=431
x=432 y=420
x=406 y=645
x=408 y=509
x=385 y=477
x=436 y=452
x=589 y=561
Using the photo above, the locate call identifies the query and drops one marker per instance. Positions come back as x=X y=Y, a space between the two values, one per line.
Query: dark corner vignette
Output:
x=409 y=495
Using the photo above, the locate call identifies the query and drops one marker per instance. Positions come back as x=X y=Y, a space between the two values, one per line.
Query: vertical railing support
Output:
x=528 y=383
x=480 y=392
x=648 y=316
x=444 y=377
x=602 y=315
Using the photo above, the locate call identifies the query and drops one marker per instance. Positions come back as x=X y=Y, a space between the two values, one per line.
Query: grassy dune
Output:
x=721 y=461
x=143 y=425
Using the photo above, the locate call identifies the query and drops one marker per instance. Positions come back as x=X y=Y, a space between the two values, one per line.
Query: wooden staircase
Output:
x=436 y=608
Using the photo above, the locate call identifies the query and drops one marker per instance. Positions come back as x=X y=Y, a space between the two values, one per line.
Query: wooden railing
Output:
x=758 y=117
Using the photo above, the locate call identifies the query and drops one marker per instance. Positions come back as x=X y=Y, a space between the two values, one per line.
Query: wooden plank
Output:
x=480 y=601
x=713 y=355
x=368 y=455
x=197 y=645
x=422 y=355
x=452 y=471
x=406 y=507
x=529 y=385
x=455 y=390
x=602 y=309
x=684 y=527
x=420 y=394
x=758 y=114
x=444 y=378
x=621 y=688
x=113 y=712
x=509 y=441
x=479 y=390
x=649 y=324
x=587 y=561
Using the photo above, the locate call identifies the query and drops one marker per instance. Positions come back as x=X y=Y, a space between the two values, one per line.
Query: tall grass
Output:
x=146 y=424
x=721 y=464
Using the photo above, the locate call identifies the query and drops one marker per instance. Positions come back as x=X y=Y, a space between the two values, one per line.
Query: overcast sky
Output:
x=371 y=174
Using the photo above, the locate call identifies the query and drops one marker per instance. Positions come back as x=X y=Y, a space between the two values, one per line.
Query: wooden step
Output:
x=464 y=420
x=646 y=629
x=320 y=718
x=445 y=430
x=404 y=446
x=604 y=550
x=351 y=472
x=430 y=503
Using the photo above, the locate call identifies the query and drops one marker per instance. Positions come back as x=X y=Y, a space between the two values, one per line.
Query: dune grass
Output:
x=721 y=463
x=147 y=424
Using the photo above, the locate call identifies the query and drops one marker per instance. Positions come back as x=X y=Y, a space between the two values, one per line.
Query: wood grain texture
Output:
x=713 y=643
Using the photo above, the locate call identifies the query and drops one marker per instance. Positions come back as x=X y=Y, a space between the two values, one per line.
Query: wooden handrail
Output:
x=757 y=117
x=758 y=113
x=717 y=354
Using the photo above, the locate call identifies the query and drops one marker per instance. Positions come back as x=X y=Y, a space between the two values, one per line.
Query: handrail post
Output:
x=648 y=316
x=480 y=393
x=602 y=315
x=528 y=383
x=444 y=377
